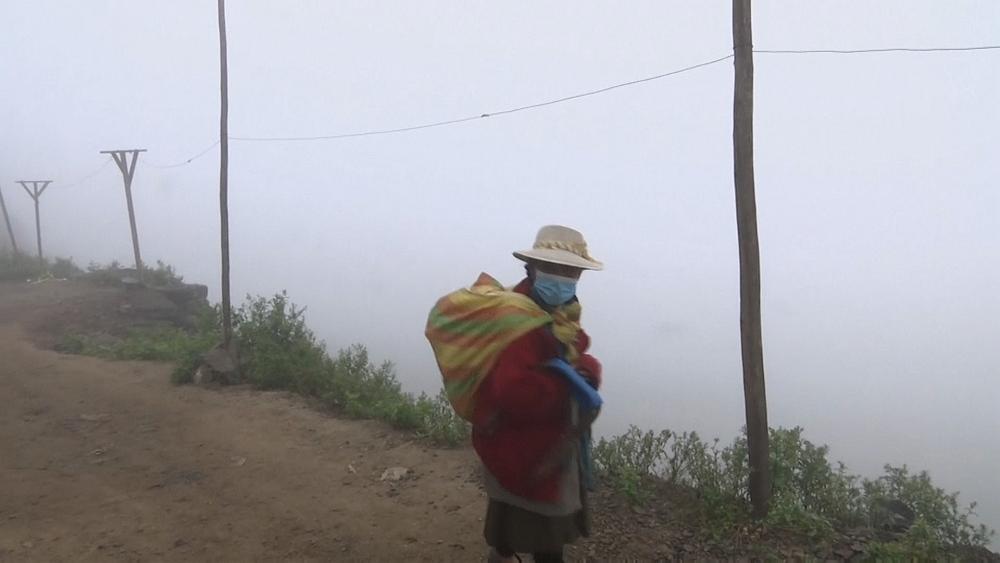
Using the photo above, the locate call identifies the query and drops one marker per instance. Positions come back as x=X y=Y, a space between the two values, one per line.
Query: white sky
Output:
x=876 y=189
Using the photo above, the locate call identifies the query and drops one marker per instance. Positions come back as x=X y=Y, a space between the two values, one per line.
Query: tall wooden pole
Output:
x=227 y=322
x=6 y=220
x=35 y=192
x=746 y=226
x=38 y=231
x=127 y=168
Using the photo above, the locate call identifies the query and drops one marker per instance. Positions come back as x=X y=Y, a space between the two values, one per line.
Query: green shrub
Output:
x=440 y=423
x=635 y=451
x=280 y=352
x=278 y=349
x=632 y=459
x=18 y=267
x=64 y=268
x=183 y=372
x=163 y=275
x=21 y=267
x=104 y=274
x=71 y=344
x=168 y=344
x=363 y=389
x=150 y=344
x=939 y=519
x=919 y=543
x=809 y=495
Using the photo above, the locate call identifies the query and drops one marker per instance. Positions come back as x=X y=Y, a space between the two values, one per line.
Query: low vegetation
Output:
x=159 y=343
x=280 y=352
x=21 y=267
x=161 y=275
x=811 y=497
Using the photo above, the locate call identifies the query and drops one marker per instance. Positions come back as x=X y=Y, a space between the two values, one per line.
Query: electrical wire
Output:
x=488 y=114
x=198 y=155
x=75 y=183
x=885 y=50
x=603 y=90
x=546 y=103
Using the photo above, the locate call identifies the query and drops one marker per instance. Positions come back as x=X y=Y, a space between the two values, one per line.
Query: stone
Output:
x=218 y=366
x=149 y=304
x=187 y=297
x=394 y=474
x=892 y=515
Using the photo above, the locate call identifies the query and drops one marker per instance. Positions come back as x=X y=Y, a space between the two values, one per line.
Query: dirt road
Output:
x=108 y=461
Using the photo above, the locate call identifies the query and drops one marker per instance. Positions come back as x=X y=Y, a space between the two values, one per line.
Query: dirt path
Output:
x=107 y=460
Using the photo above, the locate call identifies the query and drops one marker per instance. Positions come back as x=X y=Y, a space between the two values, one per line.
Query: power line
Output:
x=96 y=171
x=488 y=114
x=613 y=87
x=365 y=133
x=885 y=50
x=198 y=155
x=588 y=93
x=607 y=89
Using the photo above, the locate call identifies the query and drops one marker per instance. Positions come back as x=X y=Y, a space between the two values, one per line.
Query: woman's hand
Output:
x=590 y=369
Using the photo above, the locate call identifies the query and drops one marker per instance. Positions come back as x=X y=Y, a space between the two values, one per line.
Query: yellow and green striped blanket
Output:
x=469 y=328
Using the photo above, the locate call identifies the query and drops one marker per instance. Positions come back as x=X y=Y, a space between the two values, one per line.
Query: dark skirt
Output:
x=509 y=528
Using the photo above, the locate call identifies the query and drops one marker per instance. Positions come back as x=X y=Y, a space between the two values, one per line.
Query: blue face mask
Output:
x=554 y=290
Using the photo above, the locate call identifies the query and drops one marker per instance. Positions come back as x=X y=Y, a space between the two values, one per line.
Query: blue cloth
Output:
x=589 y=400
x=583 y=392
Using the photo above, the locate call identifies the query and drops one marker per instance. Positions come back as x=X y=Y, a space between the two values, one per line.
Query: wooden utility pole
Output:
x=128 y=172
x=37 y=187
x=746 y=226
x=6 y=219
x=227 y=321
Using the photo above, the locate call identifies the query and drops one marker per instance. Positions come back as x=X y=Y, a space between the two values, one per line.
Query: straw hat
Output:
x=560 y=245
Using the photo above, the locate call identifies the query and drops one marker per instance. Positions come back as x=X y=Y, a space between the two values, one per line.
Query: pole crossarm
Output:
x=36 y=189
x=121 y=159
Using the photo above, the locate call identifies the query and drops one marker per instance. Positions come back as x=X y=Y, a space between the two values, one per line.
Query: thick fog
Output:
x=876 y=179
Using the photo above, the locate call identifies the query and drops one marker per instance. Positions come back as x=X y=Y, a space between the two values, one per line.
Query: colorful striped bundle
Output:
x=469 y=328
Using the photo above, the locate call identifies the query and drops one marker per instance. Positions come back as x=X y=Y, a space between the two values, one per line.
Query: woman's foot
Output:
x=495 y=557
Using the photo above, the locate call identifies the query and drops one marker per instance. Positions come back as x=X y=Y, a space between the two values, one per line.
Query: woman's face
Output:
x=558 y=270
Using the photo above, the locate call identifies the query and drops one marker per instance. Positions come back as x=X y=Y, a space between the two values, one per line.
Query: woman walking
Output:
x=513 y=361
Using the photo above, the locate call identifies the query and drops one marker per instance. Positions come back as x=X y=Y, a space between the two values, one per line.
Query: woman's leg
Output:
x=553 y=557
x=501 y=555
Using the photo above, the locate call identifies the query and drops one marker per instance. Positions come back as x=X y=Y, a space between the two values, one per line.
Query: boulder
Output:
x=218 y=366
x=149 y=304
x=892 y=515
x=189 y=297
